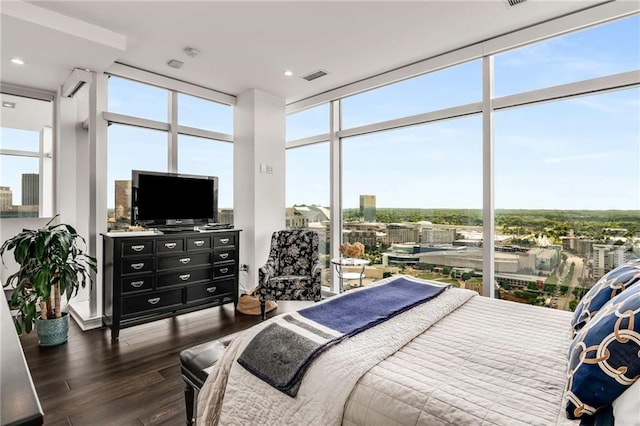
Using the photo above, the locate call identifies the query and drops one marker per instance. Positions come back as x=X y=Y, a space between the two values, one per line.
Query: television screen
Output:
x=171 y=199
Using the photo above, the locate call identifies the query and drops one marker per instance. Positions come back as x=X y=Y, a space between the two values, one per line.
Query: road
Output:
x=578 y=272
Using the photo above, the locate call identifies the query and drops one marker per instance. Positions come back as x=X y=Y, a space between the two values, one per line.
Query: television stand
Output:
x=151 y=277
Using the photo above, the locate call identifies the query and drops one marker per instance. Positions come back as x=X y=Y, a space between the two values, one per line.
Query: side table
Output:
x=341 y=262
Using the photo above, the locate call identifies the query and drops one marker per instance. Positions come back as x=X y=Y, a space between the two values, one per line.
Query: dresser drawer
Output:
x=209 y=290
x=224 y=240
x=132 y=266
x=201 y=243
x=183 y=277
x=224 y=255
x=224 y=270
x=137 y=284
x=134 y=248
x=151 y=301
x=191 y=259
x=170 y=245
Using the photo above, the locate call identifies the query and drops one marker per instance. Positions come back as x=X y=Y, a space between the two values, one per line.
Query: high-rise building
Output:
x=607 y=257
x=123 y=198
x=225 y=216
x=6 y=198
x=368 y=207
x=30 y=189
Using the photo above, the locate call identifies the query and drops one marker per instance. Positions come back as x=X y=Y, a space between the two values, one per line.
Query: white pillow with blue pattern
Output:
x=604 y=357
x=608 y=287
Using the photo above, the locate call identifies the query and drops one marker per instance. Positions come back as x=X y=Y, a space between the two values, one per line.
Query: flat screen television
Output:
x=173 y=200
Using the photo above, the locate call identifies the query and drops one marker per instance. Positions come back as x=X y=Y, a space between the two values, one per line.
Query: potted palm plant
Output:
x=52 y=262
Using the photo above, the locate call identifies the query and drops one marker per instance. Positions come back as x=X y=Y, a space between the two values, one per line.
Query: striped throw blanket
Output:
x=281 y=353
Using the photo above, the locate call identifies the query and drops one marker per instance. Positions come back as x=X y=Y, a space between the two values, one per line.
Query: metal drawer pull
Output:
x=211 y=289
x=224 y=270
x=138 y=248
x=184 y=277
x=154 y=300
x=137 y=284
x=198 y=243
x=137 y=266
x=224 y=240
x=224 y=255
x=185 y=260
x=170 y=245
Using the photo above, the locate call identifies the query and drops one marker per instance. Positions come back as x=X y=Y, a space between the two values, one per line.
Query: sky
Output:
x=581 y=153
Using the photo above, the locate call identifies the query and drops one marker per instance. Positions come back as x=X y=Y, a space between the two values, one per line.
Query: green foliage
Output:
x=564 y=289
x=549 y=288
x=386 y=274
x=52 y=258
x=572 y=305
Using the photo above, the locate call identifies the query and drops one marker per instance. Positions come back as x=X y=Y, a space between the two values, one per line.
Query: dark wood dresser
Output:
x=149 y=277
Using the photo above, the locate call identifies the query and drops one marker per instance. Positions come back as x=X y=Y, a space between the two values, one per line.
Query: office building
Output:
x=123 y=198
x=368 y=207
x=30 y=189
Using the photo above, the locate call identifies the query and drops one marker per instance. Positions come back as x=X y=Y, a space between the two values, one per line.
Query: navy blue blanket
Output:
x=281 y=353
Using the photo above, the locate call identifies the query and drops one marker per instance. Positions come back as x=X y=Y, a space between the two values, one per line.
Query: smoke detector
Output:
x=174 y=63
x=191 y=51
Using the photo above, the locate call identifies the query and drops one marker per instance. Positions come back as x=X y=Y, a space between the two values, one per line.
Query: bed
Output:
x=458 y=359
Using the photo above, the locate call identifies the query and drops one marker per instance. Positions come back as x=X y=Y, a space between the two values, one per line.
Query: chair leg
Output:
x=189 y=397
x=263 y=308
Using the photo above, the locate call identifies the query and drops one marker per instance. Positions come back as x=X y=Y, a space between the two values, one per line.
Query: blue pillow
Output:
x=604 y=290
x=604 y=357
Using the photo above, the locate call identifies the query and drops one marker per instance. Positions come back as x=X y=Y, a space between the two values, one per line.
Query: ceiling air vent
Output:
x=512 y=3
x=315 y=74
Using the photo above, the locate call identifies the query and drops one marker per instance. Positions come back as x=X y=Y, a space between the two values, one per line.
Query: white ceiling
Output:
x=248 y=45
x=28 y=114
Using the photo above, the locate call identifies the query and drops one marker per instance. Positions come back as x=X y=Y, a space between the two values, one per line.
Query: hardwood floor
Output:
x=91 y=380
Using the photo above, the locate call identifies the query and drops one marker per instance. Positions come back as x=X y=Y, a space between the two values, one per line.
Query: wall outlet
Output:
x=244 y=267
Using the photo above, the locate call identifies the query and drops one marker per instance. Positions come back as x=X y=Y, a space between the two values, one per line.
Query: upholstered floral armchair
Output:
x=292 y=271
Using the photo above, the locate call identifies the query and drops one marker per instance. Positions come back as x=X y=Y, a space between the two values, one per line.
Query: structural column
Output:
x=259 y=176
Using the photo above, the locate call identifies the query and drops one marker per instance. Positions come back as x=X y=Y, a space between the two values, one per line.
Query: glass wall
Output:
x=200 y=156
x=566 y=169
x=450 y=87
x=143 y=148
x=307 y=195
x=567 y=195
x=413 y=197
x=594 y=52
x=130 y=148
x=26 y=157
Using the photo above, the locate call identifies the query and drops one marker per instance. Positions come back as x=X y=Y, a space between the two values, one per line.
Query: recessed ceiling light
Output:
x=8 y=104
x=288 y=73
x=17 y=61
x=174 y=63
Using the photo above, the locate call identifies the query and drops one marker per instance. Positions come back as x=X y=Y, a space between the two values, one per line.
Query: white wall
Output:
x=259 y=176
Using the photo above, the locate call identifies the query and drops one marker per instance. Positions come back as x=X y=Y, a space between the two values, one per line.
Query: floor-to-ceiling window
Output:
x=423 y=185
x=561 y=155
x=567 y=163
x=146 y=133
x=307 y=177
x=26 y=157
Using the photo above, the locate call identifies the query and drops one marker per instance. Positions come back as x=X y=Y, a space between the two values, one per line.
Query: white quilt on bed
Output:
x=483 y=362
x=490 y=362
x=248 y=400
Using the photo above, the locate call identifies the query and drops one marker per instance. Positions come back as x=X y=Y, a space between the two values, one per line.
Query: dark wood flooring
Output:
x=91 y=380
